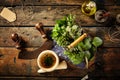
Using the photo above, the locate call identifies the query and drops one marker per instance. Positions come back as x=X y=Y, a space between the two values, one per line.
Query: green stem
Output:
x=86 y=60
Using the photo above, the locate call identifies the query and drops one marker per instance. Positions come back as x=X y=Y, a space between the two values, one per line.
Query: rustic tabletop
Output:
x=30 y=12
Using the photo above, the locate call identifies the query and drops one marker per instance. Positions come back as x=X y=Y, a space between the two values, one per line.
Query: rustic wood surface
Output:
x=30 y=12
x=55 y=2
x=34 y=39
x=11 y=65
x=30 y=15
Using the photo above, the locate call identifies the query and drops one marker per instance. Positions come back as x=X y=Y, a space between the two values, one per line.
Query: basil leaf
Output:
x=97 y=41
x=87 y=43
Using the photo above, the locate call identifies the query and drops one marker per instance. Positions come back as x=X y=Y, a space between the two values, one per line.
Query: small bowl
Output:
x=99 y=16
x=48 y=60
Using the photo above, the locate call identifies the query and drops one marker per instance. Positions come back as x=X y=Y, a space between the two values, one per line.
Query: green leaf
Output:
x=78 y=58
x=93 y=49
x=87 y=54
x=80 y=48
x=81 y=44
x=97 y=41
x=87 y=43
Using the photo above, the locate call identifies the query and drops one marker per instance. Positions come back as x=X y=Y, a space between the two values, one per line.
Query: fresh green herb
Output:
x=66 y=31
x=97 y=41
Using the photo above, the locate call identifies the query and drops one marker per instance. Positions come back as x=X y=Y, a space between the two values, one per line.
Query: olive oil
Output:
x=88 y=8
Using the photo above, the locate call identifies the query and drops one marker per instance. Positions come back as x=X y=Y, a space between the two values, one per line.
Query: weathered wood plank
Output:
x=34 y=39
x=41 y=2
x=11 y=65
x=40 y=78
x=29 y=34
x=30 y=15
x=46 y=14
x=27 y=78
x=109 y=66
x=53 y=2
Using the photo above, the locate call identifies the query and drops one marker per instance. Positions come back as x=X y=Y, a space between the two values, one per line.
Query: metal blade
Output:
x=24 y=54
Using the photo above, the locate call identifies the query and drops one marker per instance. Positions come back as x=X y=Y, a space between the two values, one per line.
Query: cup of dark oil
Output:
x=48 y=60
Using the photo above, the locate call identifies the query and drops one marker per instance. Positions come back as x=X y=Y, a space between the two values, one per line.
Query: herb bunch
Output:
x=66 y=31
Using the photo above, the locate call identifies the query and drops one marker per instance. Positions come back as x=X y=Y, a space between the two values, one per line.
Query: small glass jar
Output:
x=89 y=8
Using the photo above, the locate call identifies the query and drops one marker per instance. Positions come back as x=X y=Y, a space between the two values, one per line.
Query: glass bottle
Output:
x=89 y=7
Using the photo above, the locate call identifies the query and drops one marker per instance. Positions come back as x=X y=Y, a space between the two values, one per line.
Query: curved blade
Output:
x=24 y=54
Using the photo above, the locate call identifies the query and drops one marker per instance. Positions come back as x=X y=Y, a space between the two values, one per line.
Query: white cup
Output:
x=48 y=61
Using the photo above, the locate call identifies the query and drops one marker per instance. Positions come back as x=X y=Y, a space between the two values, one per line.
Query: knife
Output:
x=47 y=45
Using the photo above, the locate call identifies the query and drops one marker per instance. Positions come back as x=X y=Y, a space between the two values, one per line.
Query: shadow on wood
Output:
x=25 y=54
x=47 y=45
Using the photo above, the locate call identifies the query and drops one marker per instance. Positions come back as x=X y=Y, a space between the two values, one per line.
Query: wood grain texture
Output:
x=30 y=12
x=11 y=65
x=109 y=61
x=30 y=15
x=53 y=2
x=40 y=78
x=33 y=37
x=29 y=34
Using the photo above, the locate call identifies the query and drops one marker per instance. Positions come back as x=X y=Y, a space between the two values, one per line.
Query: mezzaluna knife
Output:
x=48 y=44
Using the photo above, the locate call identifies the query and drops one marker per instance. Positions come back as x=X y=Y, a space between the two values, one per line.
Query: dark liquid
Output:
x=48 y=60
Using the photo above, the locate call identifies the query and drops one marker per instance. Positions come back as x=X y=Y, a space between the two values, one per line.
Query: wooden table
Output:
x=30 y=12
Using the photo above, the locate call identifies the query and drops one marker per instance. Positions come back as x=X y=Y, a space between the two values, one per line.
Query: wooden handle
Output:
x=77 y=41
x=17 y=39
x=39 y=27
x=106 y=14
